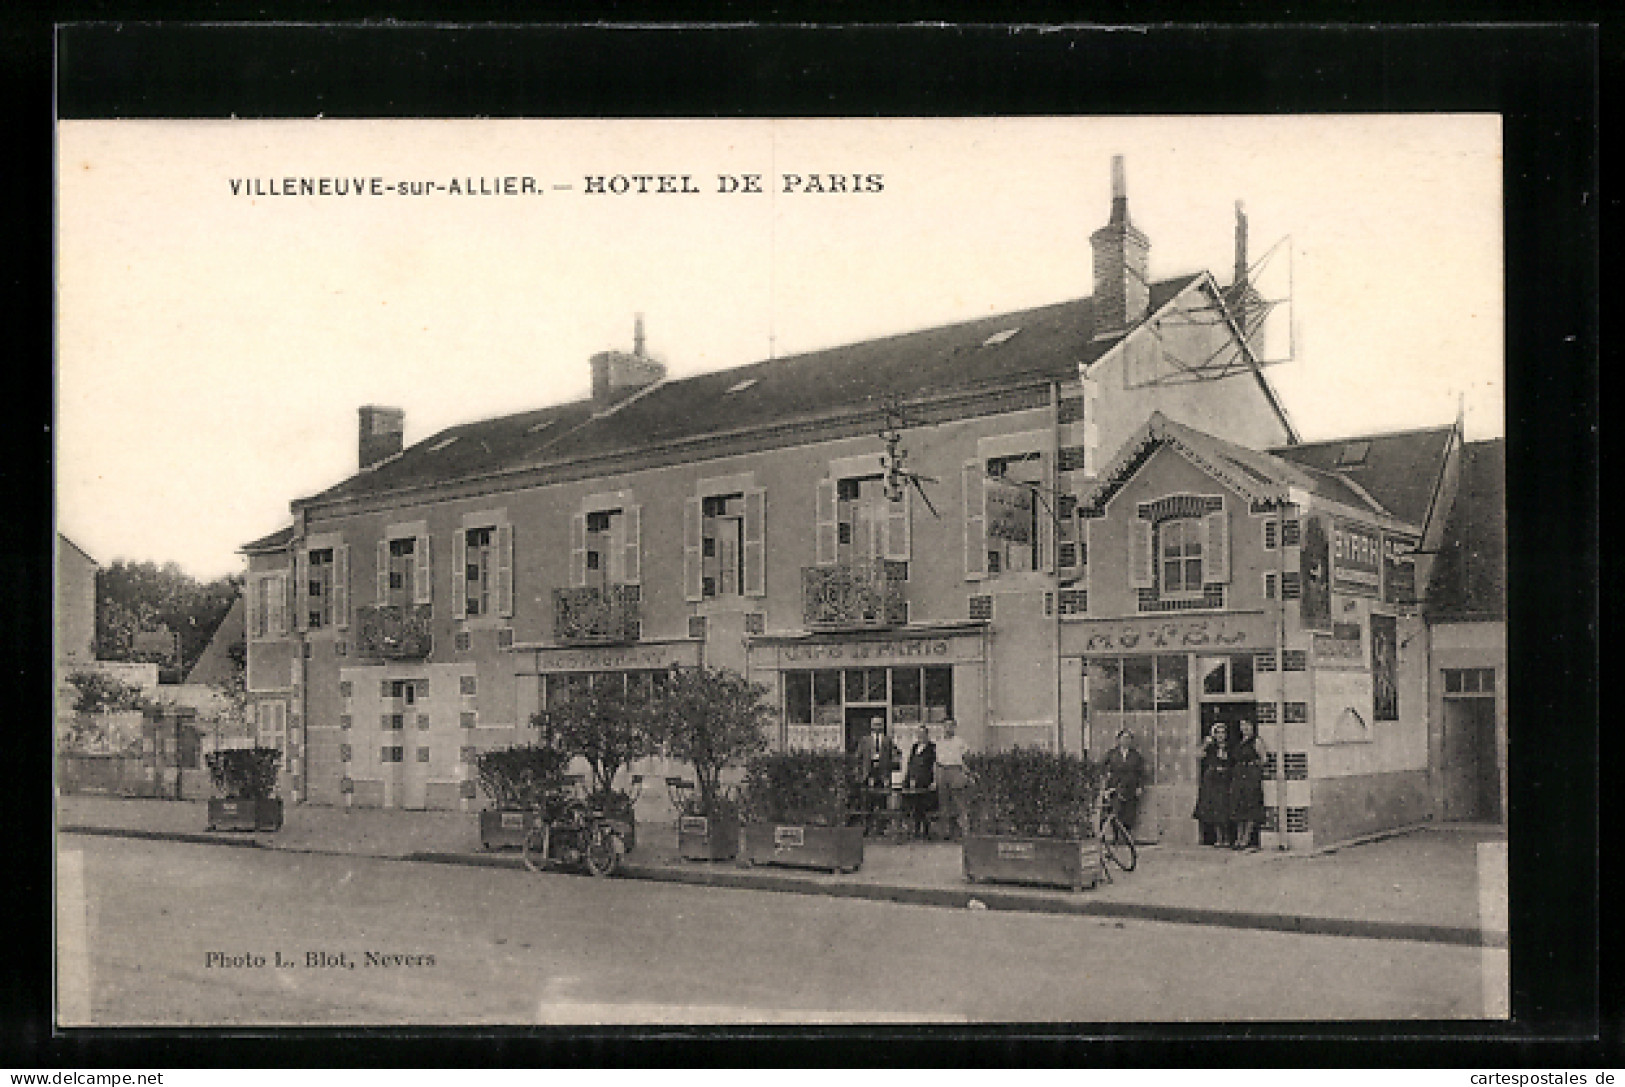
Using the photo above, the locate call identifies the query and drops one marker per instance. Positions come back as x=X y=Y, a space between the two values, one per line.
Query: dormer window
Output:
x=1353 y=454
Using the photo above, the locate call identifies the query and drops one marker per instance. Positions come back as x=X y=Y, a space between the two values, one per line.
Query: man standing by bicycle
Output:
x=1124 y=770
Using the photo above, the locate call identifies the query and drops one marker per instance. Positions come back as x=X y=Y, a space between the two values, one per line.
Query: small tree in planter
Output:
x=245 y=778
x=710 y=718
x=796 y=805
x=610 y=728
x=518 y=782
x=1031 y=817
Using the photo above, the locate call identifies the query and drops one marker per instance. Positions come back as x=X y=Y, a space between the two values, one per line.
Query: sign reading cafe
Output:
x=1356 y=558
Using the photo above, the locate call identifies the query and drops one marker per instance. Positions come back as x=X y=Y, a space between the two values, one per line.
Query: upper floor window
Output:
x=267 y=605
x=724 y=541
x=321 y=586
x=482 y=575
x=605 y=546
x=1011 y=499
x=477 y=564
x=403 y=566
x=857 y=522
x=1181 y=555
x=722 y=545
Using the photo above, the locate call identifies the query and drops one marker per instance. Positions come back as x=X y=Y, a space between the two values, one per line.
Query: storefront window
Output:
x=798 y=689
x=1226 y=675
x=1173 y=683
x=1106 y=685
x=939 y=694
x=905 y=695
x=1137 y=683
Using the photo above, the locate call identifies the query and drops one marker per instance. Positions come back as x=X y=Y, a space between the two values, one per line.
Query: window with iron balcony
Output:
x=398 y=625
x=862 y=543
x=602 y=605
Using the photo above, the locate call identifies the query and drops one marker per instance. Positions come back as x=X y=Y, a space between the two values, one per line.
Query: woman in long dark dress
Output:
x=1247 y=785
x=1213 y=790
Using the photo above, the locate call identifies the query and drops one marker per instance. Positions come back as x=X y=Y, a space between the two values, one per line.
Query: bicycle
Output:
x=1112 y=838
x=571 y=831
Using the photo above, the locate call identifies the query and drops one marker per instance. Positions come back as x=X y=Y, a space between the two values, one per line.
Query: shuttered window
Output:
x=1141 y=562
x=973 y=489
x=693 y=583
x=827 y=542
x=755 y=557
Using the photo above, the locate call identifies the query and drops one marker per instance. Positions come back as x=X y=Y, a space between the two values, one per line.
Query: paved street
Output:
x=510 y=947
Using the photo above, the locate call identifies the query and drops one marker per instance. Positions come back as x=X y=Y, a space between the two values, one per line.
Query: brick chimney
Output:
x=1122 y=281
x=616 y=374
x=1240 y=279
x=383 y=431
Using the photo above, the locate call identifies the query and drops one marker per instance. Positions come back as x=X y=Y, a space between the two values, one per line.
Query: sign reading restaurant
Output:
x=618 y=658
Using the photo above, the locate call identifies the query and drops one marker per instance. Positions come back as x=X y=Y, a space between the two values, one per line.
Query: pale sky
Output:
x=212 y=348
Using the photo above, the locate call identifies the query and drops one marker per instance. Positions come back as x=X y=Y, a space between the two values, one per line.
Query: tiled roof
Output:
x=276 y=541
x=1260 y=477
x=1049 y=342
x=1400 y=470
x=1469 y=578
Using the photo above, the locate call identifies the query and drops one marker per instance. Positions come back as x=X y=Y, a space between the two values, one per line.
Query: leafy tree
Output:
x=710 y=718
x=604 y=724
x=132 y=597
x=99 y=693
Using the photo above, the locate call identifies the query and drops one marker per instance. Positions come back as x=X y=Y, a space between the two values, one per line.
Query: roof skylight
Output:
x=438 y=446
x=1353 y=454
x=741 y=386
x=999 y=337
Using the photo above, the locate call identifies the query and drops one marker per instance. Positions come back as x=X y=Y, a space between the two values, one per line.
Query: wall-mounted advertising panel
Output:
x=1356 y=559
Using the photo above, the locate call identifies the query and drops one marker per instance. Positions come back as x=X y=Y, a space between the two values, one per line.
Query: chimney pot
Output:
x=1122 y=266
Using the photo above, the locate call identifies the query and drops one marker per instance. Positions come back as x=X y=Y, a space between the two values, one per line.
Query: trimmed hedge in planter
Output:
x=1030 y=818
x=518 y=781
x=245 y=778
x=708 y=834
x=242 y=814
x=839 y=849
x=797 y=804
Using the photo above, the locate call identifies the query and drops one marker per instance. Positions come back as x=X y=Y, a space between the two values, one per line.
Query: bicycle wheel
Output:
x=1119 y=844
x=603 y=854
x=535 y=849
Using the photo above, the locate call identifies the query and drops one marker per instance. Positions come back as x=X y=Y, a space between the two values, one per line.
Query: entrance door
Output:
x=1231 y=713
x=1472 y=773
x=858 y=719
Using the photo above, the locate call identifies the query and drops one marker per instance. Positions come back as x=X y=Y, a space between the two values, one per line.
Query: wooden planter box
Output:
x=1060 y=862
x=506 y=829
x=839 y=849
x=245 y=814
x=703 y=839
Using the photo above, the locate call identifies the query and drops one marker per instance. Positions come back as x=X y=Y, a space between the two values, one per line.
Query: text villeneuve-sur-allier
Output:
x=312 y=960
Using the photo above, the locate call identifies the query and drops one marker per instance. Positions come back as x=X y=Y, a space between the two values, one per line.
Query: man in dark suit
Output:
x=877 y=758
x=920 y=778
x=1124 y=769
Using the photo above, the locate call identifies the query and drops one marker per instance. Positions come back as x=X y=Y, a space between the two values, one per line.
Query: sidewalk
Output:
x=1419 y=885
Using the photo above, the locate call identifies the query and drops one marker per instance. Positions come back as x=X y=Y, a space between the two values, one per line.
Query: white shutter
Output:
x=616 y=558
x=693 y=583
x=974 y=480
x=1043 y=494
x=755 y=541
x=1091 y=428
x=252 y=591
x=899 y=527
x=459 y=573
x=1086 y=529
x=504 y=578
x=632 y=542
x=383 y=571
x=422 y=588
x=827 y=539
x=1216 y=549
x=301 y=588
x=341 y=586
x=578 y=550
x=1141 y=562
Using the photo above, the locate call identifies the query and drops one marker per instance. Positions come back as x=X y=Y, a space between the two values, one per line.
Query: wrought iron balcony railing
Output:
x=394 y=631
x=593 y=616
x=854 y=595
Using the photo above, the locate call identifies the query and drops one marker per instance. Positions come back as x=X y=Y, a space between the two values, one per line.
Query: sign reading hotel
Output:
x=1009 y=511
x=1356 y=559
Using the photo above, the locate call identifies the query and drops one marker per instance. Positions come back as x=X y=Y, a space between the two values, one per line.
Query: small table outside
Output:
x=893 y=813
